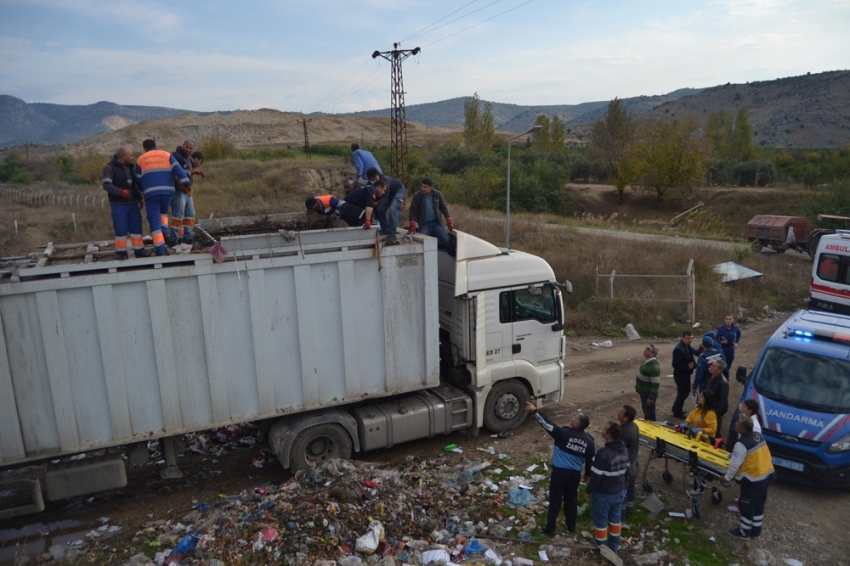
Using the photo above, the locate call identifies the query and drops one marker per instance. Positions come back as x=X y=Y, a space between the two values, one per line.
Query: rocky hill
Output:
x=809 y=111
x=42 y=123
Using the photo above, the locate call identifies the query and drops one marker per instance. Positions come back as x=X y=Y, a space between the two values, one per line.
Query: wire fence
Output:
x=56 y=200
x=676 y=292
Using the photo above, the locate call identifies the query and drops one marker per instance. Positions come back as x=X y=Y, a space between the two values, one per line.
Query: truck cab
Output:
x=830 y=287
x=801 y=382
x=501 y=328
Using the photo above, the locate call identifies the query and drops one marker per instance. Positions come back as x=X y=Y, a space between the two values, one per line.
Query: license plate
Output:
x=796 y=466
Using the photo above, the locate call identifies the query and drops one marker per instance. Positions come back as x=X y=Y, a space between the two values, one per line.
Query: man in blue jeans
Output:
x=389 y=206
x=608 y=487
x=427 y=207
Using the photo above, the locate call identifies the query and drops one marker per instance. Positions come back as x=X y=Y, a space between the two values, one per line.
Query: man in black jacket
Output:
x=574 y=448
x=684 y=363
x=426 y=208
x=389 y=206
x=607 y=485
x=630 y=435
x=125 y=200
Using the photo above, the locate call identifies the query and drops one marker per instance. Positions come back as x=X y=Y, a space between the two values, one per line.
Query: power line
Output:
x=437 y=22
x=479 y=23
x=319 y=104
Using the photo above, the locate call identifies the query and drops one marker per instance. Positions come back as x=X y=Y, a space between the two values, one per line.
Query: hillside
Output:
x=517 y=118
x=805 y=111
x=42 y=123
x=259 y=128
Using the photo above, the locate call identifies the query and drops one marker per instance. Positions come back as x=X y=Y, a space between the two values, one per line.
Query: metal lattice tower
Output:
x=306 y=138
x=398 y=120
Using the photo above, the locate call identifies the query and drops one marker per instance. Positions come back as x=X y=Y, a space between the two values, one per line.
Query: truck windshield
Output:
x=539 y=306
x=805 y=380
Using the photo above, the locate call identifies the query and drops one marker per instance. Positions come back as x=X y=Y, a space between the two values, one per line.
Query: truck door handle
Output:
x=517 y=348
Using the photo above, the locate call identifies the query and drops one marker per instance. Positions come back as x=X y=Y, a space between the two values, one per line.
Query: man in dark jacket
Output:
x=573 y=448
x=729 y=336
x=630 y=435
x=389 y=207
x=364 y=199
x=607 y=485
x=426 y=208
x=182 y=204
x=125 y=200
x=718 y=385
x=684 y=362
x=710 y=354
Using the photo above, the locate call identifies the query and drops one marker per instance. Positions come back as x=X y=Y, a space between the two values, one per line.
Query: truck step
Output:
x=22 y=490
x=71 y=479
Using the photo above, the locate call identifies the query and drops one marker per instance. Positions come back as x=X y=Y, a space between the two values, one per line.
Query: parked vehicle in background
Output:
x=827 y=224
x=334 y=342
x=801 y=382
x=830 y=287
x=779 y=233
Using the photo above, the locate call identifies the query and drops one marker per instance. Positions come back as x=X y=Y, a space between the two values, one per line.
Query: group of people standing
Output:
x=158 y=181
x=371 y=195
x=609 y=472
x=750 y=464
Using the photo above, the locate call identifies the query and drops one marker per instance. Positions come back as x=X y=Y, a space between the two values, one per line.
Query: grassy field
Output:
x=50 y=212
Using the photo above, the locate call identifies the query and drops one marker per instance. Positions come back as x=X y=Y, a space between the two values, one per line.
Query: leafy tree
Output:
x=479 y=130
x=668 y=156
x=743 y=148
x=730 y=140
x=541 y=140
x=611 y=141
x=557 y=135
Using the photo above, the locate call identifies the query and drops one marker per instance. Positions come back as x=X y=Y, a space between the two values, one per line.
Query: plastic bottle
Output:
x=582 y=509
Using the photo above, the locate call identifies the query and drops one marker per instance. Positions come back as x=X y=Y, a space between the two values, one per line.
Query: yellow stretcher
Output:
x=705 y=462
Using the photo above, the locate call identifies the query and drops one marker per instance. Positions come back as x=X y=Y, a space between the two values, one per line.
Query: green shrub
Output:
x=215 y=147
x=266 y=154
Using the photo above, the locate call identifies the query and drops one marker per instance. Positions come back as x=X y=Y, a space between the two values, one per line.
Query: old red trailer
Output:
x=779 y=232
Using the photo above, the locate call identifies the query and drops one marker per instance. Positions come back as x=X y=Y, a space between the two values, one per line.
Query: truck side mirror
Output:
x=741 y=374
x=568 y=287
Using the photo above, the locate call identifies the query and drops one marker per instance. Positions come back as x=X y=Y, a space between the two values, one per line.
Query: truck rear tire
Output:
x=505 y=406
x=318 y=444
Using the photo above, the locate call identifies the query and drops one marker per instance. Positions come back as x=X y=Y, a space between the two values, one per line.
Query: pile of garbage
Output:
x=417 y=512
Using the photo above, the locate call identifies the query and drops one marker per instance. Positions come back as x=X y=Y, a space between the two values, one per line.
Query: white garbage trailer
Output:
x=345 y=344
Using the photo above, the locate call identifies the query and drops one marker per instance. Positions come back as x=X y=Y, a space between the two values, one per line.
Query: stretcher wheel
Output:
x=667 y=477
x=647 y=487
x=716 y=496
x=695 y=509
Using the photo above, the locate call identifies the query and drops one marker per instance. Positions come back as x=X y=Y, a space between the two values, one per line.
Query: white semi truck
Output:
x=342 y=344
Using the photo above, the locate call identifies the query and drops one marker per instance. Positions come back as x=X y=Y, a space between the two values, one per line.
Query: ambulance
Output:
x=801 y=383
x=830 y=287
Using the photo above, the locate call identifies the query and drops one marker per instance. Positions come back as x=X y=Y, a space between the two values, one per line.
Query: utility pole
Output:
x=306 y=139
x=398 y=120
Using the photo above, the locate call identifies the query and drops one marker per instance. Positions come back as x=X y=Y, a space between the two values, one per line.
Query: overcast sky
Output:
x=315 y=55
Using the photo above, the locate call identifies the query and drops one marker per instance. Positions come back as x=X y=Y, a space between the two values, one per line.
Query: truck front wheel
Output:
x=505 y=406
x=318 y=444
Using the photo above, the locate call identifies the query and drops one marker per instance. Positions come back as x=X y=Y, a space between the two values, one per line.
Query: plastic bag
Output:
x=520 y=498
x=368 y=543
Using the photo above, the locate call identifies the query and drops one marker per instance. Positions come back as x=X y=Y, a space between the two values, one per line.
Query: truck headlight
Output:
x=840 y=445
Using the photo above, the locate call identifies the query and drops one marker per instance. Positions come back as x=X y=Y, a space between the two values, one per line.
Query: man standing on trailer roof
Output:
x=182 y=204
x=363 y=161
x=156 y=171
x=125 y=200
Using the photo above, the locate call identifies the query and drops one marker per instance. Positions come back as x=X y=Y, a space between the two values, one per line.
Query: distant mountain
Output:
x=44 y=123
x=808 y=111
x=517 y=118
